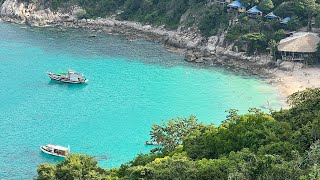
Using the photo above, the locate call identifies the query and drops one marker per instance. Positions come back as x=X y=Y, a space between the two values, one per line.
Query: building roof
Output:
x=234 y=4
x=271 y=16
x=254 y=10
x=285 y=20
x=303 y=42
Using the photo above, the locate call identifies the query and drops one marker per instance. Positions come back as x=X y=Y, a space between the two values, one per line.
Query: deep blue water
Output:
x=132 y=84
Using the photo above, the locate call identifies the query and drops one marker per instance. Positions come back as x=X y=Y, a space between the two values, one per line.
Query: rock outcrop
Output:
x=19 y=12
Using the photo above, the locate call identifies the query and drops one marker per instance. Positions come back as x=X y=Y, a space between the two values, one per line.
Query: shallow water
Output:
x=132 y=84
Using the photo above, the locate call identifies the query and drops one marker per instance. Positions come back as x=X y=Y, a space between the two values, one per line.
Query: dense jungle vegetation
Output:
x=277 y=145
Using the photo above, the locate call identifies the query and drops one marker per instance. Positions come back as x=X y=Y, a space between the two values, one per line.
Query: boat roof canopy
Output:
x=60 y=72
x=58 y=147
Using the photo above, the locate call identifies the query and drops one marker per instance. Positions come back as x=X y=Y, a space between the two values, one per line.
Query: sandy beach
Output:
x=297 y=79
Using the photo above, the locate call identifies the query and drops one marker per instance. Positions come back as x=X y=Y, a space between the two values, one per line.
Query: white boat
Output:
x=152 y=143
x=69 y=77
x=55 y=150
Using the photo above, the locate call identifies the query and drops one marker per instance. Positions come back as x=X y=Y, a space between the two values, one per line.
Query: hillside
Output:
x=210 y=17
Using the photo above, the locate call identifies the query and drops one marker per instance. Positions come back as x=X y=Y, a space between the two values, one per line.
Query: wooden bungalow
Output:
x=236 y=6
x=254 y=11
x=300 y=46
x=285 y=21
x=271 y=16
x=221 y=2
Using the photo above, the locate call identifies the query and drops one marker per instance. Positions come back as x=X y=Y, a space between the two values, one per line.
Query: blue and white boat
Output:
x=69 y=77
x=55 y=150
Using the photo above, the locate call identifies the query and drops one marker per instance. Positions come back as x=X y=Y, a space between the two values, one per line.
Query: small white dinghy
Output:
x=55 y=150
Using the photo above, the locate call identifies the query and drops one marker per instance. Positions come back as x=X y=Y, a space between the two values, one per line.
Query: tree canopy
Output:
x=76 y=166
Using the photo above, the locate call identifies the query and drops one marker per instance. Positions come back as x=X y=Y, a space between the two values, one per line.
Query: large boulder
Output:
x=212 y=43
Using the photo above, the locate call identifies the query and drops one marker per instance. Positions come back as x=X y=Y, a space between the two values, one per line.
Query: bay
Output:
x=132 y=84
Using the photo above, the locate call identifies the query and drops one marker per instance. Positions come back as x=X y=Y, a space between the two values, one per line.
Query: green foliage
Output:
x=253 y=35
x=213 y=169
x=155 y=12
x=272 y=44
x=283 y=149
x=213 y=20
x=310 y=7
x=46 y=172
x=317 y=21
x=285 y=9
x=247 y=131
x=317 y=56
x=266 y=5
x=173 y=132
x=294 y=24
x=234 y=32
x=139 y=172
x=305 y=98
x=278 y=35
x=247 y=165
x=175 y=167
x=250 y=2
x=256 y=42
x=75 y=166
x=143 y=159
x=304 y=117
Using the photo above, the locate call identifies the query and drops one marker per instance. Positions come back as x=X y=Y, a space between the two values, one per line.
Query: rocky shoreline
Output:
x=211 y=52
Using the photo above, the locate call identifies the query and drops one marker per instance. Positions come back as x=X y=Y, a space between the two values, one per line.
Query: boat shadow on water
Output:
x=102 y=157
x=51 y=159
x=67 y=85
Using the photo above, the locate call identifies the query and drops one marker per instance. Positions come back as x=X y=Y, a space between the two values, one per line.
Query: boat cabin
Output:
x=55 y=150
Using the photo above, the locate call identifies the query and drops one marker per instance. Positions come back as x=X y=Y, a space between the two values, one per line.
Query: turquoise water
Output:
x=132 y=84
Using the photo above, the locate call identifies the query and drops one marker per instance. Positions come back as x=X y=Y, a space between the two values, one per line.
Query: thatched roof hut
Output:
x=302 y=42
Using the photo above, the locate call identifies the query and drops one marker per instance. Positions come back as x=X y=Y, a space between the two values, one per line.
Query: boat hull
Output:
x=50 y=153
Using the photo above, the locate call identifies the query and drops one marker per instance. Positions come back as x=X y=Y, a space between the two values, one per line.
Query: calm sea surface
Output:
x=132 y=84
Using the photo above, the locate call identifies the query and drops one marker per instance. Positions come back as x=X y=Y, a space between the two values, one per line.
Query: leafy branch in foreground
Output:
x=304 y=97
x=172 y=133
x=76 y=166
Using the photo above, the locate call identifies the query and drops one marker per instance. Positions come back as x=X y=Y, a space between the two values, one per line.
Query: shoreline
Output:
x=288 y=77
